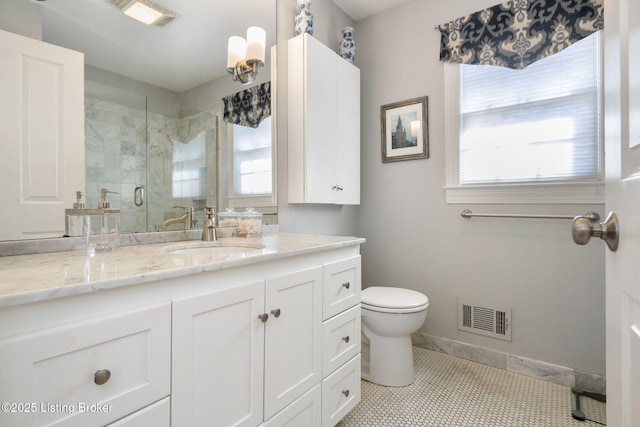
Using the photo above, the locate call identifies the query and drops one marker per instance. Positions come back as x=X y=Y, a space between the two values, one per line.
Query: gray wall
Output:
x=416 y=240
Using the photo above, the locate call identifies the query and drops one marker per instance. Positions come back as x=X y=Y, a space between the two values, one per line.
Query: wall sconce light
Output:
x=244 y=57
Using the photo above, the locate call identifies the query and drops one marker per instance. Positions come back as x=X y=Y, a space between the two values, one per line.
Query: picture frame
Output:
x=404 y=130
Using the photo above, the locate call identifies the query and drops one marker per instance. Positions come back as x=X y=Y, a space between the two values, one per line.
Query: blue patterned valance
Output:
x=249 y=107
x=518 y=33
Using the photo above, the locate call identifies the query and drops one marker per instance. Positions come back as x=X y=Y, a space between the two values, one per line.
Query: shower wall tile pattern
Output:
x=118 y=158
x=455 y=392
x=115 y=156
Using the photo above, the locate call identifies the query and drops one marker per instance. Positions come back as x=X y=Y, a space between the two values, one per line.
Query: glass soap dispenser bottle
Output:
x=74 y=218
x=102 y=226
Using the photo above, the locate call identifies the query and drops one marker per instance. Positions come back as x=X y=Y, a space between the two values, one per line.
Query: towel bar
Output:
x=593 y=216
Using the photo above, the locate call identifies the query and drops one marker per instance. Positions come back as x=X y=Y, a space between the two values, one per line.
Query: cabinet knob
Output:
x=338 y=187
x=346 y=339
x=264 y=317
x=102 y=376
x=346 y=285
x=346 y=393
x=276 y=312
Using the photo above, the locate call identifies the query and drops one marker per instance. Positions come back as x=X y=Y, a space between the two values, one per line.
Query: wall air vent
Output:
x=483 y=319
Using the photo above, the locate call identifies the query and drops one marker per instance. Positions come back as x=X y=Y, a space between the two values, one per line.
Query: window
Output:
x=251 y=180
x=188 y=168
x=516 y=132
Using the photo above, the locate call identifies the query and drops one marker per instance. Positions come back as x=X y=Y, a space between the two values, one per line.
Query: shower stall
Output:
x=156 y=154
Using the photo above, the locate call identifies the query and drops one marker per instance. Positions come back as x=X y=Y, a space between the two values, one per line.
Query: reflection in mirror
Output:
x=150 y=153
x=153 y=100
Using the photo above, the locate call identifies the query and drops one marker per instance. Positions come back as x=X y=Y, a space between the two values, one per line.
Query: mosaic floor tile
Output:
x=454 y=392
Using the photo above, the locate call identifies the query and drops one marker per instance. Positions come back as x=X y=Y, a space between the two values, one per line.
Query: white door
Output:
x=42 y=135
x=622 y=129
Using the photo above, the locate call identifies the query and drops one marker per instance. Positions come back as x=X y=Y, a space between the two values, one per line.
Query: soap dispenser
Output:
x=74 y=218
x=102 y=226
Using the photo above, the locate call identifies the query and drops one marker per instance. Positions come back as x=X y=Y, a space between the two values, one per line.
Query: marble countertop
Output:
x=38 y=277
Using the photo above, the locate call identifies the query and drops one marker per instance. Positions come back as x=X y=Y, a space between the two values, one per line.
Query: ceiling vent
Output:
x=483 y=319
x=151 y=13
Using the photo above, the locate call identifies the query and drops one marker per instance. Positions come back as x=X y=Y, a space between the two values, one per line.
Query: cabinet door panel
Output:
x=348 y=135
x=320 y=120
x=56 y=369
x=218 y=349
x=304 y=412
x=293 y=338
x=156 y=415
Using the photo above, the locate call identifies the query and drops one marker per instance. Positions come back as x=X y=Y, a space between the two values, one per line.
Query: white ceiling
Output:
x=185 y=53
x=360 y=9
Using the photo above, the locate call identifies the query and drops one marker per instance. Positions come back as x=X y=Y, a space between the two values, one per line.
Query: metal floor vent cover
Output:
x=484 y=319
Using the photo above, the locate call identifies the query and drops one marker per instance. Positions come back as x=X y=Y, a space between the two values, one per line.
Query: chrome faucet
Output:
x=209 y=227
x=186 y=219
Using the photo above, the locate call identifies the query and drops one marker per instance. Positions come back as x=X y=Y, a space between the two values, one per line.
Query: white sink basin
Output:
x=211 y=249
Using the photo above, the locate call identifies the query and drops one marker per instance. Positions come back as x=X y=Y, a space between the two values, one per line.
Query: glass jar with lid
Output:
x=249 y=222
x=228 y=218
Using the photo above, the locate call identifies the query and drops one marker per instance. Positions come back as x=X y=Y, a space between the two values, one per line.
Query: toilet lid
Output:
x=394 y=298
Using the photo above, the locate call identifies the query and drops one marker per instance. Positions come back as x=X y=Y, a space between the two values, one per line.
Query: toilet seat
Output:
x=393 y=300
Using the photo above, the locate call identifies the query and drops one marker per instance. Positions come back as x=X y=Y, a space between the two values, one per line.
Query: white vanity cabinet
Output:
x=323 y=124
x=271 y=343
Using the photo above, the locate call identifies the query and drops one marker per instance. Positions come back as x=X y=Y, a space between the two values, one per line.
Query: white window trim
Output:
x=578 y=192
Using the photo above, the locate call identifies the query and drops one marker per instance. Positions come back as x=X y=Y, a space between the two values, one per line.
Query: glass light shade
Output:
x=236 y=50
x=143 y=13
x=256 y=40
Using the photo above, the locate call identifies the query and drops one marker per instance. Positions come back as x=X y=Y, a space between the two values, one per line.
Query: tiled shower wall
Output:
x=118 y=159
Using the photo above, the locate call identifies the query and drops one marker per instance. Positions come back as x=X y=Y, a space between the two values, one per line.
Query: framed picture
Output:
x=404 y=130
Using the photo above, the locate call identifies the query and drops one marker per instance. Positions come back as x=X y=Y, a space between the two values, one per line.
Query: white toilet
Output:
x=389 y=317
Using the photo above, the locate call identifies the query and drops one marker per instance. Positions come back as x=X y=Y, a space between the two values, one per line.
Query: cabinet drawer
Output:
x=341 y=392
x=88 y=373
x=156 y=415
x=341 y=287
x=340 y=339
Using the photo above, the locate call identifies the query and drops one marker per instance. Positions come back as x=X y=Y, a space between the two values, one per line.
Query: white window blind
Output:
x=540 y=124
x=252 y=159
x=189 y=168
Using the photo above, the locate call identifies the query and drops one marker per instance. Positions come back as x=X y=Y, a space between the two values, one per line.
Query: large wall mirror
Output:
x=154 y=129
